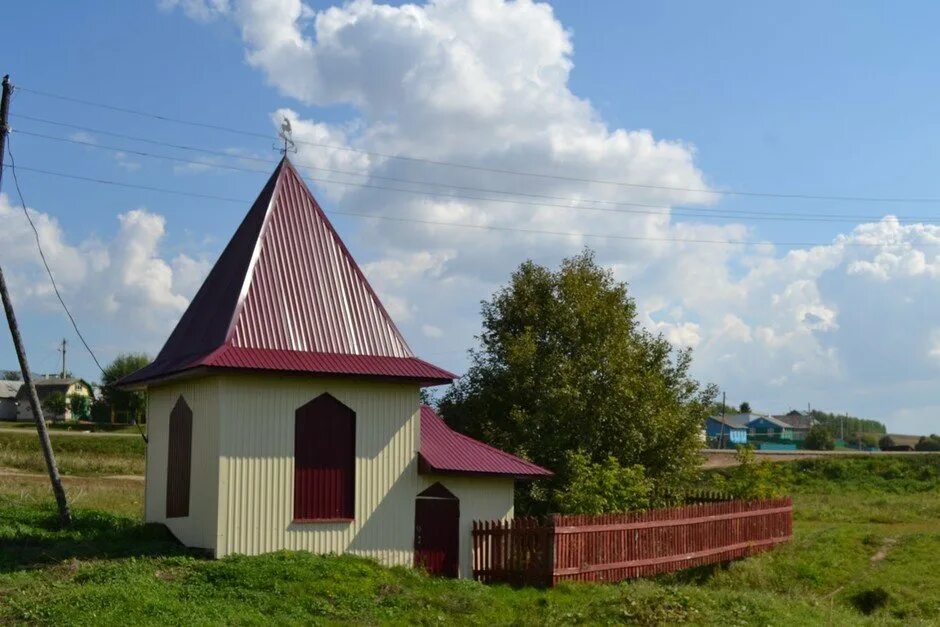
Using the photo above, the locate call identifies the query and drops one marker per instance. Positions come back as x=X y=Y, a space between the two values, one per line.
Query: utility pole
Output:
x=721 y=432
x=65 y=515
x=62 y=350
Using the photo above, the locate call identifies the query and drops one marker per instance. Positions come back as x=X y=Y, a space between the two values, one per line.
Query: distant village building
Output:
x=283 y=411
x=770 y=426
x=8 y=390
x=724 y=431
x=46 y=387
x=799 y=422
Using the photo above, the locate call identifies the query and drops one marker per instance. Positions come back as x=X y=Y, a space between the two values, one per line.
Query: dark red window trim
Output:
x=324 y=462
x=179 y=460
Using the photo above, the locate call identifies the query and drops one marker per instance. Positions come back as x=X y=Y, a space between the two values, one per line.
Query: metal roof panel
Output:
x=444 y=450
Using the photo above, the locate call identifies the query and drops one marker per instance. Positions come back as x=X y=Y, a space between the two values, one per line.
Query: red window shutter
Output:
x=179 y=460
x=324 y=460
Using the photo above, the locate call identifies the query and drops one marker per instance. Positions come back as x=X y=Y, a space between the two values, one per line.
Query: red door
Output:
x=437 y=531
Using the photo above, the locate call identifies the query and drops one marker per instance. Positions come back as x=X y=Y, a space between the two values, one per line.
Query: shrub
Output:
x=928 y=444
x=80 y=406
x=819 y=439
x=752 y=479
x=54 y=405
x=598 y=488
x=886 y=442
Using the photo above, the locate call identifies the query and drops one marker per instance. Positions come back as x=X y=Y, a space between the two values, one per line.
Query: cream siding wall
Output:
x=256 y=479
x=202 y=395
x=481 y=498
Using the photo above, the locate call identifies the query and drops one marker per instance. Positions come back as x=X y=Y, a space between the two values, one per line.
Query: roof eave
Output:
x=427 y=468
x=200 y=370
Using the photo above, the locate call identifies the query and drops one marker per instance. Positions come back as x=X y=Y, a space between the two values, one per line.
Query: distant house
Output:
x=8 y=390
x=799 y=422
x=45 y=388
x=718 y=427
x=770 y=426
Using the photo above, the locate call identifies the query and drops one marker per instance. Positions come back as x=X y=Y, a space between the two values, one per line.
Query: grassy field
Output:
x=75 y=427
x=76 y=454
x=867 y=533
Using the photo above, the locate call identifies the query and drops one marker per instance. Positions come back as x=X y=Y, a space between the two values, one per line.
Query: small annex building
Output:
x=284 y=412
x=8 y=392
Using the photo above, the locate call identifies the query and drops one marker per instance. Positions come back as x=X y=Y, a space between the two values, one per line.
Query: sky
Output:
x=764 y=178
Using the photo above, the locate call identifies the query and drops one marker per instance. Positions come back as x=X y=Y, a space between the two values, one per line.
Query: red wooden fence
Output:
x=613 y=547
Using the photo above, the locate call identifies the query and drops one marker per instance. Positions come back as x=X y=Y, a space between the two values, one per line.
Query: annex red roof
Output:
x=286 y=295
x=443 y=450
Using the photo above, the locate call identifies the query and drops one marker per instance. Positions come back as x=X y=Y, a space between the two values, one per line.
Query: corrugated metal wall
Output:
x=481 y=498
x=256 y=467
x=202 y=395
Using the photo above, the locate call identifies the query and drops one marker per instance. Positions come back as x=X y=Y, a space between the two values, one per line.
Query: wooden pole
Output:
x=65 y=515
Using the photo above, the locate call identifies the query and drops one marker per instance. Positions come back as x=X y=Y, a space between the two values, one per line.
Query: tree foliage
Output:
x=55 y=404
x=819 y=438
x=11 y=375
x=750 y=479
x=80 y=407
x=886 y=442
x=123 y=401
x=851 y=424
x=598 y=488
x=931 y=443
x=745 y=408
x=564 y=365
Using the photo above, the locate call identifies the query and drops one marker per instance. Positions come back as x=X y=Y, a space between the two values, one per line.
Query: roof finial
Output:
x=285 y=135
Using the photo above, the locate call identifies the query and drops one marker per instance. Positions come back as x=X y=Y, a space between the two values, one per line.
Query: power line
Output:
x=670 y=209
x=42 y=255
x=333 y=170
x=504 y=171
x=677 y=211
x=463 y=225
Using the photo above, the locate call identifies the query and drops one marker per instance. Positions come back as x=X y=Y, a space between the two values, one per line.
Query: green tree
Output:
x=886 y=442
x=751 y=479
x=11 y=375
x=931 y=443
x=122 y=401
x=850 y=424
x=819 y=438
x=564 y=365
x=745 y=408
x=55 y=404
x=79 y=406
x=605 y=487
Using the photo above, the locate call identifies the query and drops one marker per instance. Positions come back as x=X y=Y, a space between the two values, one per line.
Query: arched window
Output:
x=324 y=460
x=179 y=460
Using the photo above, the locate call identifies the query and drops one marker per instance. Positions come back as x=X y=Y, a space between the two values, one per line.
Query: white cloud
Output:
x=126 y=162
x=487 y=82
x=432 y=331
x=121 y=284
x=83 y=137
x=199 y=10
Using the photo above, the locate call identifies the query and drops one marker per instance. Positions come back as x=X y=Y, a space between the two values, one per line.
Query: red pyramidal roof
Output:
x=286 y=295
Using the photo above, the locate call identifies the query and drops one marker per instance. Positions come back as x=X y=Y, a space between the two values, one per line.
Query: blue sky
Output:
x=808 y=98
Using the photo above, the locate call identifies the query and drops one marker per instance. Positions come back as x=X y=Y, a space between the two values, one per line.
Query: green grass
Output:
x=75 y=454
x=112 y=570
x=77 y=426
x=867 y=533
